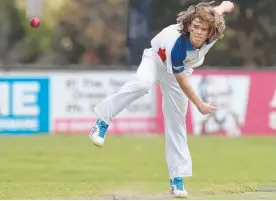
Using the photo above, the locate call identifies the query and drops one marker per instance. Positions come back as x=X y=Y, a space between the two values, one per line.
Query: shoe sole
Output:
x=97 y=145
x=95 y=142
x=176 y=195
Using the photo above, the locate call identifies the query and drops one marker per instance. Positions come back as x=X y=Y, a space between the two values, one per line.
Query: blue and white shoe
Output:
x=98 y=133
x=171 y=186
x=177 y=188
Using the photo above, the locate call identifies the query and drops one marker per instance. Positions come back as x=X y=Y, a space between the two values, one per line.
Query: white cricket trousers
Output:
x=150 y=72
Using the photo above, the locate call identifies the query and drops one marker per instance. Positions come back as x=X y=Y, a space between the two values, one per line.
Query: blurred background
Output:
x=52 y=77
x=109 y=33
x=84 y=50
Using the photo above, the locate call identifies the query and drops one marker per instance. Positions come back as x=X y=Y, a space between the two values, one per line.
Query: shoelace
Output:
x=102 y=126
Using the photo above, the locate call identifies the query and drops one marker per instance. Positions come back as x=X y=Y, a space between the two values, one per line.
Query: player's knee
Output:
x=145 y=85
x=137 y=85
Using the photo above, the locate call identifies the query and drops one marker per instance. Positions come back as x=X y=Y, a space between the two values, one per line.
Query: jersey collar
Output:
x=189 y=46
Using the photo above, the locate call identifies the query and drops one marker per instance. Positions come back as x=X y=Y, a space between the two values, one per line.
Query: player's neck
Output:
x=196 y=46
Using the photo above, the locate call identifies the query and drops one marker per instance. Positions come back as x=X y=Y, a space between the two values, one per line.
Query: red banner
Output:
x=246 y=102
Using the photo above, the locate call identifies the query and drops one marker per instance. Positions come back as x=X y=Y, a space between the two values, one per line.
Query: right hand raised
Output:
x=227 y=6
x=205 y=108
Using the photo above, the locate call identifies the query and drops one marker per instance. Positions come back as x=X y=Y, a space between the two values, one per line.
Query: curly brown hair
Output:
x=206 y=13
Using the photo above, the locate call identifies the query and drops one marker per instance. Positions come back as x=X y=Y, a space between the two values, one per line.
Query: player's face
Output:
x=198 y=33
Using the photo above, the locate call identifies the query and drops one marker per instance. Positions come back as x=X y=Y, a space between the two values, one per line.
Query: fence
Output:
x=51 y=101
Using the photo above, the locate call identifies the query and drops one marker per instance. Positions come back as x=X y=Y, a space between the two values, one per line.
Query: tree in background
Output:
x=138 y=32
x=12 y=34
x=89 y=32
x=19 y=43
x=250 y=36
x=95 y=32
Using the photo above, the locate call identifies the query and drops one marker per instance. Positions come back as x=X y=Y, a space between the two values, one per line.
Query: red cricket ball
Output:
x=35 y=22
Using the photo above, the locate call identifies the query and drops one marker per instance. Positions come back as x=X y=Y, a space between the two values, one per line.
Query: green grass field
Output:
x=71 y=167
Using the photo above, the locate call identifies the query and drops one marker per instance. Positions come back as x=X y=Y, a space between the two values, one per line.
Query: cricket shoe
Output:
x=177 y=188
x=172 y=187
x=98 y=133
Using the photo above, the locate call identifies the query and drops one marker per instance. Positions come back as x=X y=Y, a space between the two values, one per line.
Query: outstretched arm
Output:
x=184 y=84
x=225 y=7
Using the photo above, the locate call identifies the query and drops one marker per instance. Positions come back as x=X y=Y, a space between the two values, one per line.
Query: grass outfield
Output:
x=70 y=167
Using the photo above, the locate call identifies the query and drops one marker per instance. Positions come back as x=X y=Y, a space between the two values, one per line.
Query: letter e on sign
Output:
x=25 y=98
